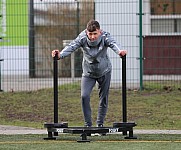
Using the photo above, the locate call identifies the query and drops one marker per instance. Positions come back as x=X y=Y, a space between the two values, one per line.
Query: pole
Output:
x=0 y=75
x=1 y=39
x=55 y=77
x=124 y=105
x=141 y=44
x=31 y=40
x=78 y=17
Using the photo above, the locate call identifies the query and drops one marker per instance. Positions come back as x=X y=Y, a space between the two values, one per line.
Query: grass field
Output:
x=111 y=142
x=151 y=108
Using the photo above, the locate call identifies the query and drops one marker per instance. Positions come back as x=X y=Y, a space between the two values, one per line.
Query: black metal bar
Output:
x=84 y=131
x=55 y=65
x=50 y=135
x=124 y=103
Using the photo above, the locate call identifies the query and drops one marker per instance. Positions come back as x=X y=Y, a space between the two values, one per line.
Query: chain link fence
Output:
x=30 y=29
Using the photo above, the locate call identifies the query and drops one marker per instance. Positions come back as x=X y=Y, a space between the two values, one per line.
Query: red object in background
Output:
x=163 y=55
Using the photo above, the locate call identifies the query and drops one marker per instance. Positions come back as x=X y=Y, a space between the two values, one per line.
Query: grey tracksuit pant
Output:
x=87 y=85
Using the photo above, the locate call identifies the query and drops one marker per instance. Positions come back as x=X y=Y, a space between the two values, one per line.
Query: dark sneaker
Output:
x=100 y=125
x=99 y=134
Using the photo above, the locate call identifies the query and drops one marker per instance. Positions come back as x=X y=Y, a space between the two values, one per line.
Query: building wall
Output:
x=14 y=43
x=16 y=22
x=162 y=55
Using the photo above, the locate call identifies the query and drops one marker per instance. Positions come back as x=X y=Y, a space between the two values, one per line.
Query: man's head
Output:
x=93 y=30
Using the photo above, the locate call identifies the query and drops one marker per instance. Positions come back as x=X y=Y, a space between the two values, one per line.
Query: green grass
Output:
x=113 y=142
x=152 y=108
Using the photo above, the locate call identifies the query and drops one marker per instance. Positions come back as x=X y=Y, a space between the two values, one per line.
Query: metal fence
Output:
x=30 y=29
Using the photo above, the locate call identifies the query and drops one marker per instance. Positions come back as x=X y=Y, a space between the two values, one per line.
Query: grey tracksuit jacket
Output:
x=95 y=62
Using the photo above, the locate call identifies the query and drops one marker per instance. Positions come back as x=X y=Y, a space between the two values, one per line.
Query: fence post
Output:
x=72 y=58
x=1 y=40
x=31 y=40
x=0 y=75
x=141 y=43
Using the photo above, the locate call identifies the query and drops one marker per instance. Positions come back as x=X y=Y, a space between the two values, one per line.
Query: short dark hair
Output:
x=93 y=25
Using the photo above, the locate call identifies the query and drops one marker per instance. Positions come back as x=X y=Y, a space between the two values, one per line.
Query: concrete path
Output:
x=4 y=129
x=9 y=130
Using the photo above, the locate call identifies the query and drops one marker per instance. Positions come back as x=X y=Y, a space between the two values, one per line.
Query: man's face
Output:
x=93 y=36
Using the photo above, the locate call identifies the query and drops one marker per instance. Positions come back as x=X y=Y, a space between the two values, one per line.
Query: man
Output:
x=96 y=67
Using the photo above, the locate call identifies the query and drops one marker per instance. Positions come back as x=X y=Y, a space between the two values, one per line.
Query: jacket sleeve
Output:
x=112 y=43
x=71 y=47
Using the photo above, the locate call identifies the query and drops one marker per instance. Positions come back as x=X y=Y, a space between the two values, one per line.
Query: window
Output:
x=163 y=16
x=165 y=7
